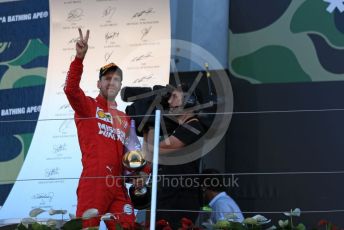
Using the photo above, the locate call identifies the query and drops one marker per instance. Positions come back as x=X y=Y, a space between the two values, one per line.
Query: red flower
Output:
x=126 y=226
x=322 y=222
x=328 y=225
x=168 y=227
x=186 y=223
x=161 y=224
x=334 y=227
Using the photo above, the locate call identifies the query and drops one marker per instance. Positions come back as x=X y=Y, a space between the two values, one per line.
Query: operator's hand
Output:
x=81 y=45
x=138 y=182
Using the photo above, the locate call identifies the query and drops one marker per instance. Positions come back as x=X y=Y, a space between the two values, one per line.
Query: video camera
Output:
x=145 y=101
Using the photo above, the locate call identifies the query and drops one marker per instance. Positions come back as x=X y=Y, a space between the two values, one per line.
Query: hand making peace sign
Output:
x=81 y=45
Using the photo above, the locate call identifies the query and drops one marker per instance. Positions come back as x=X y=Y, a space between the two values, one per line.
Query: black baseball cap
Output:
x=110 y=67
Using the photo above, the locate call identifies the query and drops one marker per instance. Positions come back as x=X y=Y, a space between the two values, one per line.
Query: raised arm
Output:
x=168 y=145
x=74 y=93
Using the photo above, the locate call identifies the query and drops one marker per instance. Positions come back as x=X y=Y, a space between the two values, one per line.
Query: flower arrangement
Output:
x=327 y=225
x=257 y=222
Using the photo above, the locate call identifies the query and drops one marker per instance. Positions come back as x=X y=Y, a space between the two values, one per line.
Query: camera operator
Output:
x=172 y=193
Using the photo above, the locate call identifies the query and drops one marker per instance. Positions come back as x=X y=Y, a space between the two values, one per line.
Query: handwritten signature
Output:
x=59 y=148
x=145 y=32
x=142 y=57
x=65 y=106
x=143 y=12
x=43 y=196
x=109 y=12
x=75 y=15
x=111 y=35
x=141 y=79
x=107 y=56
x=73 y=40
x=64 y=126
x=52 y=172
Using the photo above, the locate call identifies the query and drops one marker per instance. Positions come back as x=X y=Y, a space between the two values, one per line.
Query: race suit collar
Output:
x=106 y=103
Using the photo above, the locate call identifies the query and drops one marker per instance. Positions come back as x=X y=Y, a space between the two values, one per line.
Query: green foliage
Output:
x=37 y=226
x=34 y=226
x=74 y=224
x=21 y=227
x=257 y=222
x=118 y=227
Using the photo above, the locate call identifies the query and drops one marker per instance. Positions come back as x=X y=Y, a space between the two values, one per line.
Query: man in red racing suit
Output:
x=102 y=131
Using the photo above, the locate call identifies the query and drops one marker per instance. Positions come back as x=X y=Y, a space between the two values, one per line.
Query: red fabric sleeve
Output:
x=75 y=95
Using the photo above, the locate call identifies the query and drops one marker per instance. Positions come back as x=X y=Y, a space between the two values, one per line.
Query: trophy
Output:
x=133 y=161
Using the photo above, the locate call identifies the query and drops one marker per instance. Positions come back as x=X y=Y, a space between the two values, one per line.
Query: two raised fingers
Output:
x=83 y=41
